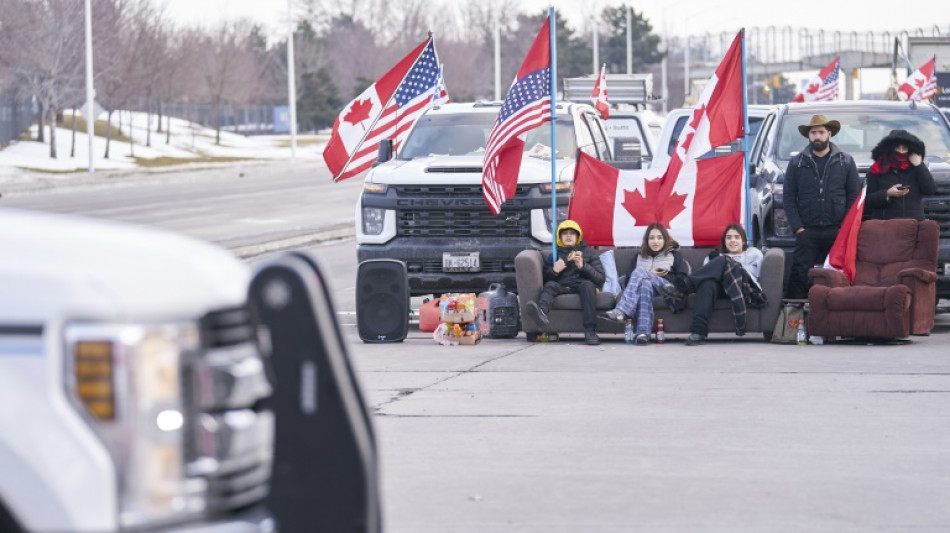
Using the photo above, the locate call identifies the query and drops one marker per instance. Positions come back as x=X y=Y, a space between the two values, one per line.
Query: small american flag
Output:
x=526 y=107
x=822 y=87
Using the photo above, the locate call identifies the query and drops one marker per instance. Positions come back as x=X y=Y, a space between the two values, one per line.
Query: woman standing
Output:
x=656 y=265
x=898 y=178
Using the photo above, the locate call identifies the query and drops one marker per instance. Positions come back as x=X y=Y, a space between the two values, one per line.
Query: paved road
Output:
x=510 y=436
x=736 y=435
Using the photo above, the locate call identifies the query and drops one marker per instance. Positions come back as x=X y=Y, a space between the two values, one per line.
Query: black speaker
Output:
x=382 y=300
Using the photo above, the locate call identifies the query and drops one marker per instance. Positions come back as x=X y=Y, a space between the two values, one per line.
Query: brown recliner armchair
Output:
x=894 y=291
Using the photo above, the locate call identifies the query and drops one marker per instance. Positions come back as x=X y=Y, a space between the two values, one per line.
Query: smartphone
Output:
x=903 y=188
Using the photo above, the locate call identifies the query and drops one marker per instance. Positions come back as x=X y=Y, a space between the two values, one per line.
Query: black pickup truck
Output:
x=863 y=124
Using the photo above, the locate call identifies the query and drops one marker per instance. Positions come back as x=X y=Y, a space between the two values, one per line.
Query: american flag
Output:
x=824 y=86
x=390 y=106
x=922 y=84
x=526 y=107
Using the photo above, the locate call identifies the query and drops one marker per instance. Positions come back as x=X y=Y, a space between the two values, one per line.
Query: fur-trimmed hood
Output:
x=895 y=137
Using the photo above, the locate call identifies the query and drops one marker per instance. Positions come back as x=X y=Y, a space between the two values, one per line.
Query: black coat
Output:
x=813 y=200
x=877 y=205
x=571 y=275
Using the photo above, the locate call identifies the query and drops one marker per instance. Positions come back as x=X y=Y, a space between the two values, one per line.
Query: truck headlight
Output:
x=780 y=223
x=373 y=220
x=127 y=380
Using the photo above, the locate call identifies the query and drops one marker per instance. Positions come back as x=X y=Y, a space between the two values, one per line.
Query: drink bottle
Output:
x=660 y=331
x=801 y=337
x=628 y=335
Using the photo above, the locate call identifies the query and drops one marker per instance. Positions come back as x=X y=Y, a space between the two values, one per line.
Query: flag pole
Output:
x=745 y=140
x=553 y=136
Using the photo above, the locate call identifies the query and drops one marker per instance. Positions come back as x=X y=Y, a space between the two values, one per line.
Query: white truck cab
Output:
x=425 y=206
x=131 y=382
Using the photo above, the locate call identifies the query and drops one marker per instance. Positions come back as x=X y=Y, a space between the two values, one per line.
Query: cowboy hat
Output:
x=820 y=120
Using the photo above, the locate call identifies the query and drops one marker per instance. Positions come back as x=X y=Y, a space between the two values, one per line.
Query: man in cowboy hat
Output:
x=821 y=183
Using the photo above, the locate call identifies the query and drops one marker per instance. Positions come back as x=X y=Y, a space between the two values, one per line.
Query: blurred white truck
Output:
x=131 y=383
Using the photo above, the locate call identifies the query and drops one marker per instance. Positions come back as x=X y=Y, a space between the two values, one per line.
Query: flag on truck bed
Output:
x=527 y=105
x=599 y=95
x=387 y=109
x=921 y=85
x=823 y=86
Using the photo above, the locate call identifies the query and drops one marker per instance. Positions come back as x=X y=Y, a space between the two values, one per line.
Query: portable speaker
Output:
x=382 y=300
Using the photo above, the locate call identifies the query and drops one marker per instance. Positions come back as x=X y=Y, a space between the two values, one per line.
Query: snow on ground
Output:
x=188 y=141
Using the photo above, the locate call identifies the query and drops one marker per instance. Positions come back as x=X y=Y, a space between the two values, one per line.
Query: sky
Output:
x=674 y=17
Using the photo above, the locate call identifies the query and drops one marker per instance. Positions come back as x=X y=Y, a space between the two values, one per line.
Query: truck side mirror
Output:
x=325 y=471
x=385 y=151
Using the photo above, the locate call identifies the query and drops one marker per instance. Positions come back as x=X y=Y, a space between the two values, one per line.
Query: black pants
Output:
x=707 y=284
x=585 y=288
x=811 y=248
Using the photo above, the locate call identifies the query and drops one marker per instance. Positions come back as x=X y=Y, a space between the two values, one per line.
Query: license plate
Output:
x=946 y=269
x=460 y=262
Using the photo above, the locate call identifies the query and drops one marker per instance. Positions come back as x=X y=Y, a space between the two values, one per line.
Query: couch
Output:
x=894 y=289
x=565 y=314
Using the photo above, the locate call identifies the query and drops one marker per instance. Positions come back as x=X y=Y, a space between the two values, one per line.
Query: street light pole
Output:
x=291 y=82
x=497 y=37
x=90 y=89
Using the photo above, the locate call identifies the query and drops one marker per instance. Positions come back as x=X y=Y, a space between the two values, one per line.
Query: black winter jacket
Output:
x=878 y=206
x=813 y=200
x=571 y=275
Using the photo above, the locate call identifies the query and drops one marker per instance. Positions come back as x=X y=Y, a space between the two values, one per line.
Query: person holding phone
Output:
x=898 y=179
x=657 y=264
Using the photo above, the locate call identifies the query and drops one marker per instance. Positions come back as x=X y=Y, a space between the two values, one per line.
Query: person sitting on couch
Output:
x=658 y=262
x=574 y=270
x=719 y=278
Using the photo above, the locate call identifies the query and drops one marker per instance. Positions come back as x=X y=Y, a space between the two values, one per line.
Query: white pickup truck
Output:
x=131 y=382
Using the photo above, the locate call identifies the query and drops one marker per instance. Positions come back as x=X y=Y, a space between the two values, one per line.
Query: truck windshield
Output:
x=466 y=134
x=861 y=131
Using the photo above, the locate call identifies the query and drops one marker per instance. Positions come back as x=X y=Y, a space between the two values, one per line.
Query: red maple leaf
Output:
x=651 y=207
x=919 y=82
x=812 y=88
x=359 y=112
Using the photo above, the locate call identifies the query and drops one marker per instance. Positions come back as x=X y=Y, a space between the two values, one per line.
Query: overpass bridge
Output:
x=778 y=49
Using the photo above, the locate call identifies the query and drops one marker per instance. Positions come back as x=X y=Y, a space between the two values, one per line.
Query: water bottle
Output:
x=660 y=331
x=547 y=337
x=628 y=336
x=800 y=336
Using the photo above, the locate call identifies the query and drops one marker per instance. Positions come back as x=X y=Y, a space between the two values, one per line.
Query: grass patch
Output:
x=305 y=141
x=50 y=171
x=98 y=129
x=166 y=161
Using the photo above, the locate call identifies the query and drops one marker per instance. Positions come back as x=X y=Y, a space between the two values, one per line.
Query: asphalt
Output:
x=735 y=435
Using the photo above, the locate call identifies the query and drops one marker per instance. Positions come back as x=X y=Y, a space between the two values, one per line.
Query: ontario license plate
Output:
x=460 y=262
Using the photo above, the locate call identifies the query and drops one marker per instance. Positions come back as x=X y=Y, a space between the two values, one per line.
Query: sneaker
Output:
x=591 y=338
x=615 y=315
x=694 y=339
x=643 y=339
x=671 y=291
x=537 y=314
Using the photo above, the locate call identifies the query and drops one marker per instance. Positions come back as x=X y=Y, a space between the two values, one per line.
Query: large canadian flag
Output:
x=694 y=199
x=614 y=206
x=921 y=85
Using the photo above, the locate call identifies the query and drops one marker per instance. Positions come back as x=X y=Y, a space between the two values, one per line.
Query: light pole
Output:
x=291 y=81
x=90 y=89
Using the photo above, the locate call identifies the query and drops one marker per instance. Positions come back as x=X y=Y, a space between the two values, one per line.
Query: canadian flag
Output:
x=844 y=252
x=921 y=85
x=615 y=206
x=599 y=96
x=695 y=200
x=824 y=86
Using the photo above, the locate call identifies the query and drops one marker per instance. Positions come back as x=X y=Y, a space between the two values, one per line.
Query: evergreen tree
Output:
x=646 y=44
